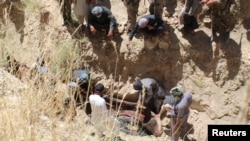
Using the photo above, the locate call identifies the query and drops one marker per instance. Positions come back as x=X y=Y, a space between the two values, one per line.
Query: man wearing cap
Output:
x=100 y=19
x=179 y=111
x=148 y=24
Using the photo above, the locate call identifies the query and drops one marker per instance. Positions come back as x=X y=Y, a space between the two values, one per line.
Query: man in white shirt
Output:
x=100 y=116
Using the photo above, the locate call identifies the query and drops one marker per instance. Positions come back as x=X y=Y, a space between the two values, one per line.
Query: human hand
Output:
x=203 y=2
x=168 y=107
x=128 y=45
x=110 y=34
x=92 y=30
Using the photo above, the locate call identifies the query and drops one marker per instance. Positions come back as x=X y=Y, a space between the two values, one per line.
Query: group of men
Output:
x=153 y=102
x=98 y=16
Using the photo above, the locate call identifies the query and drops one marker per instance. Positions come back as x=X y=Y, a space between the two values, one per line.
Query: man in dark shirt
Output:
x=100 y=19
x=151 y=96
x=80 y=88
x=148 y=24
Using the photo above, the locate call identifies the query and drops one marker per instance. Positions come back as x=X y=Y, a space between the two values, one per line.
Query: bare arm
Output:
x=210 y=2
x=123 y=102
x=177 y=126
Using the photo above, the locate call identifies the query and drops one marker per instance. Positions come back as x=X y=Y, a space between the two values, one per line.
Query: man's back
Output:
x=151 y=86
x=182 y=108
x=99 y=111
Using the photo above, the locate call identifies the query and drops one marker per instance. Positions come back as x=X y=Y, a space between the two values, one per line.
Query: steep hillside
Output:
x=216 y=74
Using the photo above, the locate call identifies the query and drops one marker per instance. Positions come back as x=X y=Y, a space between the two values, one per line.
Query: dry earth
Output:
x=215 y=74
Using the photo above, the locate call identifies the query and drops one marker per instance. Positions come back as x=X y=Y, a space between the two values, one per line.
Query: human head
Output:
x=83 y=78
x=177 y=92
x=137 y=85
x=97 y=11
x=99 y=87
x=143 y=22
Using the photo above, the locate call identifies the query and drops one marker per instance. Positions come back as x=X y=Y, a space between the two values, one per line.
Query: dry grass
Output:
x=37 y=112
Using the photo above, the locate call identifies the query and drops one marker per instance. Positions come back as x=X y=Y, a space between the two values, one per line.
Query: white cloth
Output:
x=99 y=113
x=100 y=116
x=81 y=10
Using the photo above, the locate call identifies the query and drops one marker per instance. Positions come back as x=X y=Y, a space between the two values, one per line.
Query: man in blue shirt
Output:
x=179 y=111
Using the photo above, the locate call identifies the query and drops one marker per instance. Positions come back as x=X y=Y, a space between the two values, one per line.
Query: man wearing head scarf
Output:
x=179 y=111
x=148 y=24
x=100 y=19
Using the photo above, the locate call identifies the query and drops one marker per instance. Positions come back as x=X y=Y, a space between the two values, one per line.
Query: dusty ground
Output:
x=216 y=75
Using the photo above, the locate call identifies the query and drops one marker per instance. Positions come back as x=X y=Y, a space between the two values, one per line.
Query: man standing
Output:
x=156 y=7
x=191 y=9
x=132 y=10
x=223 y=19
x=66 y=11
